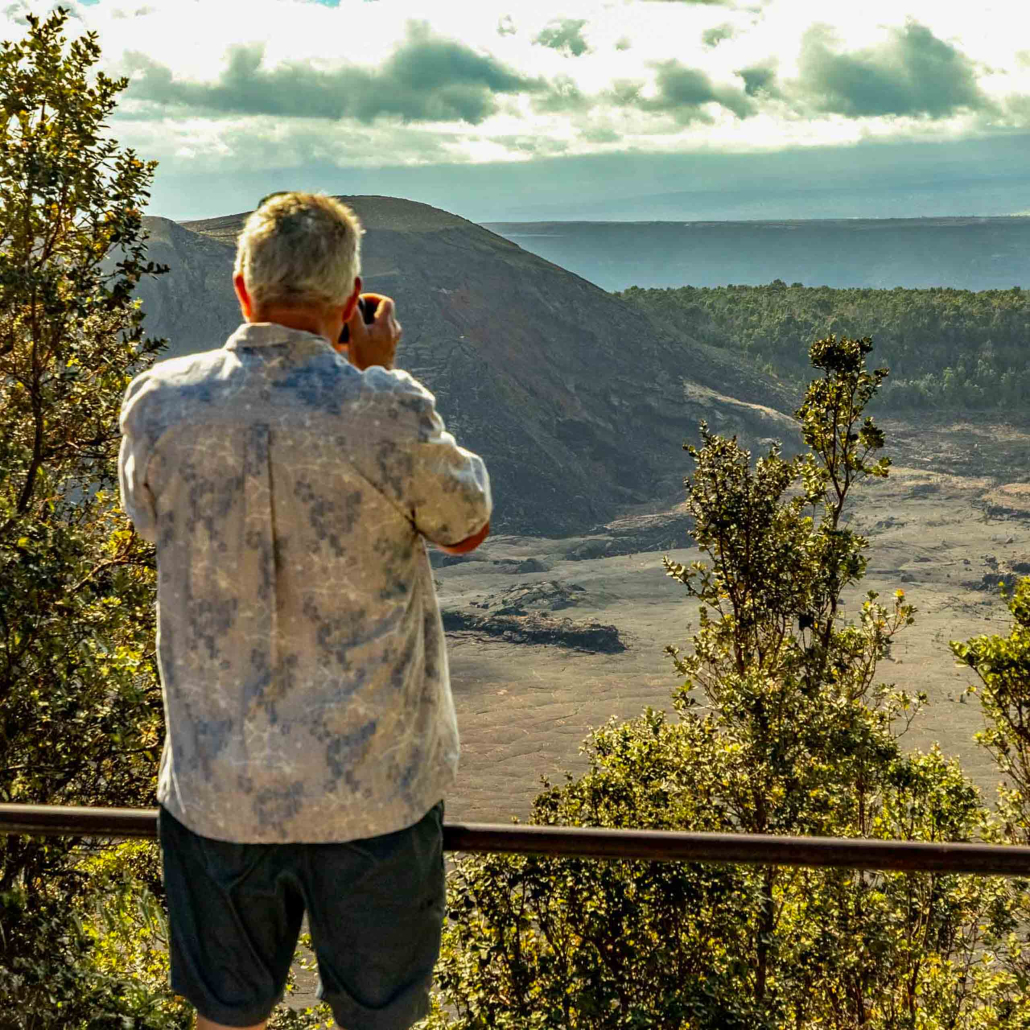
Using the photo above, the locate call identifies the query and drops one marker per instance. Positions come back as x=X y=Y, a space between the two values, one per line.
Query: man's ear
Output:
x=352 y=301
x=246 y=307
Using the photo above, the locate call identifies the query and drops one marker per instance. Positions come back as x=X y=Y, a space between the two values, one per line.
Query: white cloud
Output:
x=630 y=41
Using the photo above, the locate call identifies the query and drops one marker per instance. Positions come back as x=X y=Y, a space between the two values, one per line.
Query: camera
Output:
x=367 y=304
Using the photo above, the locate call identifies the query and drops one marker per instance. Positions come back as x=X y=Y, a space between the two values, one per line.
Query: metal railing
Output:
x=579 y=842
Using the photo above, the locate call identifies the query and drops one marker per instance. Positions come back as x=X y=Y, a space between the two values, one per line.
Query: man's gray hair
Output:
x=299 y=249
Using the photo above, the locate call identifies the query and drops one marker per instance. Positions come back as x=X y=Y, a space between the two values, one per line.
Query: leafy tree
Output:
x=80 y=706
x=1001 y=663
x=780 y=726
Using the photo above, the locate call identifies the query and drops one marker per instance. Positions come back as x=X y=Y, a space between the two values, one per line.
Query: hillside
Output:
x=579 y=406
x=965 y=253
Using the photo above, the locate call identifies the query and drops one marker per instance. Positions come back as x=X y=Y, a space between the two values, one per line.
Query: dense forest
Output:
x=945 y=347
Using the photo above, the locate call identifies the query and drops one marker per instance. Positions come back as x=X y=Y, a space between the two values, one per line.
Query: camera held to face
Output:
x=367 y=305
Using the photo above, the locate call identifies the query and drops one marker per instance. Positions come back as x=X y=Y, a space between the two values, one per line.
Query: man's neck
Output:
x=293 y=318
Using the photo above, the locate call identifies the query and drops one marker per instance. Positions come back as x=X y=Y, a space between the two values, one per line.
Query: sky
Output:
x=543 y=109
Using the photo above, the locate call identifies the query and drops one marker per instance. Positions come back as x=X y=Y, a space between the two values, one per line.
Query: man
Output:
x=311 y=734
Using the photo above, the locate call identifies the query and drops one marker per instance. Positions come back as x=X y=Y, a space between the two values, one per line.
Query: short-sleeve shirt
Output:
x=300 y=644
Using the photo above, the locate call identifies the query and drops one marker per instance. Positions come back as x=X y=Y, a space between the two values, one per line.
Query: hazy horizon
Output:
x=965 y=178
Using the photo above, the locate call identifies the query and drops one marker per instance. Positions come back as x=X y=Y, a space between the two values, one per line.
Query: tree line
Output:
x=946 y=348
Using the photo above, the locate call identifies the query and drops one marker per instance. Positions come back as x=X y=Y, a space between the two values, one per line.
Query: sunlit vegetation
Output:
x=946 y=348
x=80 y=702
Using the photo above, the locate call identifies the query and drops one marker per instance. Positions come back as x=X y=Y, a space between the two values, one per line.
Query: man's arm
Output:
x=449 y=486
x=133 y=456
x=450 y=489
x=443 y=488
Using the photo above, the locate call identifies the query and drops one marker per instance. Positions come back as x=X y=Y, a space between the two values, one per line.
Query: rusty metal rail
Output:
x=652 y=845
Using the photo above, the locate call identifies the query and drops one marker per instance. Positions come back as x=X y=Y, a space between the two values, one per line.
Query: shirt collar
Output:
x=265 y=334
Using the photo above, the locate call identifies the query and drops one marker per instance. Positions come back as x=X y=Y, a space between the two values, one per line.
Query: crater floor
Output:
x=951 y=521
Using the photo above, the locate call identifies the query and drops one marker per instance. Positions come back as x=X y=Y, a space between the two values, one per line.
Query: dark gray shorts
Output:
x=375 y=909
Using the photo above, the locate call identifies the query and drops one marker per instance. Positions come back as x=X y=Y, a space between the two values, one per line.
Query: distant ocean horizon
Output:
x=754 y=221
x=971 y=252
x=974 y=177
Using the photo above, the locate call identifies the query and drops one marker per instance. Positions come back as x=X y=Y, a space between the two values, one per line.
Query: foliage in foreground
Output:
x=1001 y=663
x=80 y=713
x=780 y=726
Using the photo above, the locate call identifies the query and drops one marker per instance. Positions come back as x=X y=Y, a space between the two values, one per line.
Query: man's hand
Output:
x=374 y=344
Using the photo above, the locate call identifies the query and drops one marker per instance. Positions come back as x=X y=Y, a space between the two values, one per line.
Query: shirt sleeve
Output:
x=450 y=495
x=133 y=458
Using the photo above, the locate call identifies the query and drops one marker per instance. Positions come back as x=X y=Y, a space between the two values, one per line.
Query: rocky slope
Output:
x=579 y=409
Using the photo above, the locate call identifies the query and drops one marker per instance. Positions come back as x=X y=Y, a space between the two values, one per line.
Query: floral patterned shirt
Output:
x=300 y=644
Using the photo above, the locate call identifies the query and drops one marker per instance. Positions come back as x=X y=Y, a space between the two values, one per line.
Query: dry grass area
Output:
x=1012 y=498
